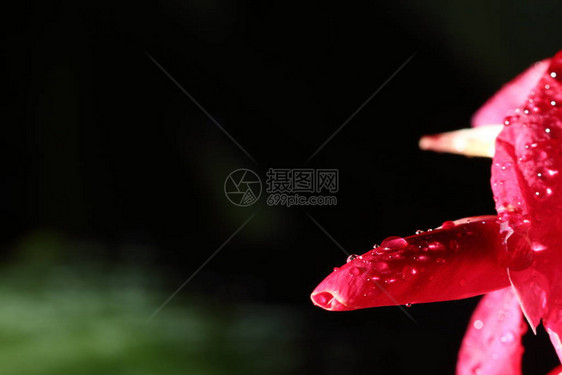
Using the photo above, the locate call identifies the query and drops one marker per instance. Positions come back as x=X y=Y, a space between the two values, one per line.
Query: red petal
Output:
x=510 y=96
x=527 y=188
x=456 y=261
x=492 y=343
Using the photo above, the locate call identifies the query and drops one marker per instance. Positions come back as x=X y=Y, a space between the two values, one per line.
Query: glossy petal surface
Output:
x=527 y=188
x=509 y=96
x=458 y=260
x=492 y=343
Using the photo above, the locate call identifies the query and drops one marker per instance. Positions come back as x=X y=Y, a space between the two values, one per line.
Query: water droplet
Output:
x=321 y=298
x=553 y=103
x=380 y=266
x=351 y=257
x=538 y=247
x=508 y=337
x=336 y=269
x=547 y=130
x=448 y=224
x=478 y=324
x=543 y=194
x=556 y=67
x=408 y=271
x=436 y=246
x=408 y=304
x=519 y=252
x=419 y=231
x=355 y=271
x=394 y=243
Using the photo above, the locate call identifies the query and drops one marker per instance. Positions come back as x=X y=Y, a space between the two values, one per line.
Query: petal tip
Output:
x=327 y=301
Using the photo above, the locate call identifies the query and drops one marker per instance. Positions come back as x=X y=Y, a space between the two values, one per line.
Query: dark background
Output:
x=106 y=154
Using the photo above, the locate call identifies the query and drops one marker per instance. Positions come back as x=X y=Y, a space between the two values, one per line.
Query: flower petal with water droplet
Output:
x=529 y=201
x=492 y=343
x=455 y=262
x=509 y=96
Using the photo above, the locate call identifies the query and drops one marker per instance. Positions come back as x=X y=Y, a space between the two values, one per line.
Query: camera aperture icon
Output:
x=242 y=187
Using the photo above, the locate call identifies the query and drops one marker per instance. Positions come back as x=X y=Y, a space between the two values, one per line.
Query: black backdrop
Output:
x=102 y=145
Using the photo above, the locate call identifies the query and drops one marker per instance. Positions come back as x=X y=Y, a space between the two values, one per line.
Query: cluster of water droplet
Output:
x=495 y=333
x=526 y=172
x=398 y=258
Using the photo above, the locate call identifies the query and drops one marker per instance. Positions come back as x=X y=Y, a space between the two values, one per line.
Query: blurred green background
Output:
x=112 y=185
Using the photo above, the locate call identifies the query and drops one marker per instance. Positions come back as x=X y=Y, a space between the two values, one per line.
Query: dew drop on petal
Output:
x=408 y=271
x=478 y=324
x=321 y=298
x=355 y=271
x=381 y=267
x=508 y=337
x=394 y=243
x=448 y=224
x=351 y=257
x=436 y=246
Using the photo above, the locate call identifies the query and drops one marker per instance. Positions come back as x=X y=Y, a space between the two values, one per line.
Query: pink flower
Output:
x=515 y=257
